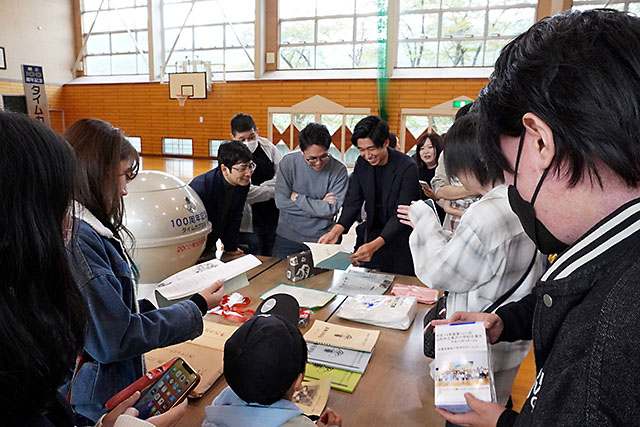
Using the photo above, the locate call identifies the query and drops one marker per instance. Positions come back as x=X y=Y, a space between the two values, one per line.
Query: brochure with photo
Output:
x=462 y=365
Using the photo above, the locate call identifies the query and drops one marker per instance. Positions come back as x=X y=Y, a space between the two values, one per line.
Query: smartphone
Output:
x=170 y=389
x=424 y=183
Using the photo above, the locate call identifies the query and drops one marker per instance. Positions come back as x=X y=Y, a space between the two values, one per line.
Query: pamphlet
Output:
x=336 y=357
x=342 y=336
x=462 y=365
x=340 y=380
x=200 y=276
x=423 y=294
x=352 y=283
x=334 y=257
x=313 y=397
x=306 y=297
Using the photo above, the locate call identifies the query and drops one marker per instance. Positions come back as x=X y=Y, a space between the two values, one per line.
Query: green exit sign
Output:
x=460 y=103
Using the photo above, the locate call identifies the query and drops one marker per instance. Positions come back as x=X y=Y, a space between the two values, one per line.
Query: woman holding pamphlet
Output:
x=121 y=328
x=488 y=253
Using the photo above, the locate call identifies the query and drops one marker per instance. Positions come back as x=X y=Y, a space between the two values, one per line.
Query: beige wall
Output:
x=52 y=46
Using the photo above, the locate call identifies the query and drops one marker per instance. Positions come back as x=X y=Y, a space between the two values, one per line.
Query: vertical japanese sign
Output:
x=33 y=80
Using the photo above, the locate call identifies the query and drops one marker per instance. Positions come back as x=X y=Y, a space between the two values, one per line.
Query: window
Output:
x=459 y=33
x=627 y=6
x=136 y=141
x=330 y=34
x=218 y=31
x=180 y=146
x=117 y=42
x=214 y=144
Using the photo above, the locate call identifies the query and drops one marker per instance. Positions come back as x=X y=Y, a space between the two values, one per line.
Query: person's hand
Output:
x=429 y=192
x=330 y=417
x=366 y=251
x=171 y=417
x=482 y=414
x=293 y=196
x=492 y=322
x=330 y=198
x=125 y=407
x=213 y=294
x=233 y=253
x=403 y=215
x=331 y=236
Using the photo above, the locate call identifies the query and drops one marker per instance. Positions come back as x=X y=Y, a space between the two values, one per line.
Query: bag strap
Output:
x=515 y=287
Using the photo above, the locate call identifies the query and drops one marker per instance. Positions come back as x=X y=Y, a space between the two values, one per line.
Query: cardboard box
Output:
x=300 y=266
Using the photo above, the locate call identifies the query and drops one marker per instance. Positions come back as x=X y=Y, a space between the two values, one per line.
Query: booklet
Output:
x=336 y=357
x=462 y=365
x=306 y=297
x=423 y=294
x=312 y=399
x=342 y=336
x=200 y=276
x=334 y=257
x=340 y=379
x=352 y=283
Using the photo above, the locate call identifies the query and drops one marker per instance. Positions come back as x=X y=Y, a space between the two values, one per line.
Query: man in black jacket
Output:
x=383 y=178
x=561 y=111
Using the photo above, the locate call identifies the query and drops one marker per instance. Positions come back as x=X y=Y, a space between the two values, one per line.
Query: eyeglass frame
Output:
x=250 y=167
x=315 y=159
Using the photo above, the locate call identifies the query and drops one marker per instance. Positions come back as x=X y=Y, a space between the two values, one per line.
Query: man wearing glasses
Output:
x=260 y=217
x=310 y=189
x=223 y=191
x=383 y=178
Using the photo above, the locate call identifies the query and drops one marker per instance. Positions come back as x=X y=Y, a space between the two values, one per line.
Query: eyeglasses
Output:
x=244 y=168
x=315 y=159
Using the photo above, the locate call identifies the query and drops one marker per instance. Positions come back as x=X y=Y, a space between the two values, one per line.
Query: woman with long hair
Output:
x=428 y=149
x=121 y=328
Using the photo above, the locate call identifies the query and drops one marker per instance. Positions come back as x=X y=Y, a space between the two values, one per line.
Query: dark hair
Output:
x=463 y=111
x=464 y=154
x=241 y=123
x=572 y=71
x=43 y=314
x=231 y=153
x=314 y=134
x=436 y=142
x=393 y=140
x=100 y=148
x=372 y=127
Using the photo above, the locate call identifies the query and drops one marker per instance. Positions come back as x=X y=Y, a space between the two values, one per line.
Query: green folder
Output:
x=340 y=380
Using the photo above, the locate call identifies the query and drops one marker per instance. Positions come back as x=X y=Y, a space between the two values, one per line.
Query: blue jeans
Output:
x=260 y=242
x=284 y=247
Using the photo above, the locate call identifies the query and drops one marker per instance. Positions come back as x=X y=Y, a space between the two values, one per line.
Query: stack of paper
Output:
x=204 y=353
x=352 y=283
x=341 y=352
x=333 y=257
x=201 y=276
x=306 y=297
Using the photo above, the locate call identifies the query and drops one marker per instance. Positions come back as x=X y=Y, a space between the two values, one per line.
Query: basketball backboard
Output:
x=192 y=84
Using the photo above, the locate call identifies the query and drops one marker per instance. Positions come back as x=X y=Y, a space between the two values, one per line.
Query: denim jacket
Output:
x=118 y=334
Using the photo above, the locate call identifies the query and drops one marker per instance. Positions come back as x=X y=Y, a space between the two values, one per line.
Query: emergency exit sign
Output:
x=460 y=103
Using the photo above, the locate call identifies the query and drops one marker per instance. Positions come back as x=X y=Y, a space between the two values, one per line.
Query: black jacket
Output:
x=583 y=316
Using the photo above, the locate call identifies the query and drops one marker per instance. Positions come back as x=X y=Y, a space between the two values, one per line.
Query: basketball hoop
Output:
x=182 y=99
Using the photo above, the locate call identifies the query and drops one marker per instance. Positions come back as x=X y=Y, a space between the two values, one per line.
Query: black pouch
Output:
x=439 y=311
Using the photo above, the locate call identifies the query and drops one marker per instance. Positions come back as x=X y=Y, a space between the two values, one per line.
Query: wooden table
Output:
x=396 y=388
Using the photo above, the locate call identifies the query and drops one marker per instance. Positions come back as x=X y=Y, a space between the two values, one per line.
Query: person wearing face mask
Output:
x=428 y=149
x=260 y=214
x=487 y=254
x=561 y=113
x=120 y=327
x=383 y=178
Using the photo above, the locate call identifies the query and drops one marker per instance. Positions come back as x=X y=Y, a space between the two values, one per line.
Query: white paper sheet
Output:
x=306 y=297
x=195 y=279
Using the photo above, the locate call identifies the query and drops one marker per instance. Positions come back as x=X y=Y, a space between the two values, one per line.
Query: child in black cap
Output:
x=264 y=364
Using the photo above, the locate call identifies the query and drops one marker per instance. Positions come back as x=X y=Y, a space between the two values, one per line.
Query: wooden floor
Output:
x=187 y=169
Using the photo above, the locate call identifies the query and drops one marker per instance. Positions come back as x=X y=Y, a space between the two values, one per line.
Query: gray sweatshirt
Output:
x=309 y=217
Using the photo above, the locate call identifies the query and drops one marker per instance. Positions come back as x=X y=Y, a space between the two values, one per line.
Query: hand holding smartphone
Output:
x=169 y=390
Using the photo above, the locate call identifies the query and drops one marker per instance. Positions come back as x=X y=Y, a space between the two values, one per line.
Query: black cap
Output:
x=266 y=354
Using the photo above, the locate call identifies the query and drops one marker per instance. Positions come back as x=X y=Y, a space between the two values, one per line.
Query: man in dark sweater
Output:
x=223 y=191
x=561 y=113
